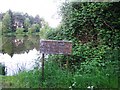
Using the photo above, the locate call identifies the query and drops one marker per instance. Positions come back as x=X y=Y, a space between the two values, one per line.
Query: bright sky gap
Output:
x=46 y=9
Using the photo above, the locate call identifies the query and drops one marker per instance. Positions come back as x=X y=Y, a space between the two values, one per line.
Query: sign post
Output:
x=42 y=66
x=54 y=47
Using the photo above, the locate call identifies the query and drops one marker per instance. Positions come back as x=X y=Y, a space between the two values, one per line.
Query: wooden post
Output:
x=42 y=66
x=67 y=61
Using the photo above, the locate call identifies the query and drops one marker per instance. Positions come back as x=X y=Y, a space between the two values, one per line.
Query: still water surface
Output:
x=19 y=52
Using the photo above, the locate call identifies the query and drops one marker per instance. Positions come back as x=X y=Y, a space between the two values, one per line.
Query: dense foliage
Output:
x=94 y=29
x=91 y=22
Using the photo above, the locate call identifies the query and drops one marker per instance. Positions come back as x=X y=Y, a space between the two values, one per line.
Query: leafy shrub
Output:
x=93 y=66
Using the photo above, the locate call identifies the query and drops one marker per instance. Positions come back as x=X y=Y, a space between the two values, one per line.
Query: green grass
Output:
x=54 y=77
x=22 y=80
x=59 y=77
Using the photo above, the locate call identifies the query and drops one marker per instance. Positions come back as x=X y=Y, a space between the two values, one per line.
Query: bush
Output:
x=93 y=66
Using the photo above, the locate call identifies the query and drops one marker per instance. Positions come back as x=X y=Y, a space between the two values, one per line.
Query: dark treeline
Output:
x=19 y=22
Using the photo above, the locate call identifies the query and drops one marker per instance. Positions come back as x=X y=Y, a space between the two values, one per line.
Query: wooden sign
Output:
x=55 y=47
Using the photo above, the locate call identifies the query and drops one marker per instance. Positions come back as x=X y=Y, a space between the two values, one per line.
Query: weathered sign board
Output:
x=55 y=47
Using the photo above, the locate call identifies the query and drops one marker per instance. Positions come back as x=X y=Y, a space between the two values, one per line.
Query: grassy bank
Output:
x=60 y=77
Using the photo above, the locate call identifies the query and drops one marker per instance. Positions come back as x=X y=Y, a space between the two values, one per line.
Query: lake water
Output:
x=19 y=52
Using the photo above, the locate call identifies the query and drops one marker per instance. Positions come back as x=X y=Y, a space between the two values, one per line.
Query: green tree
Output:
x=26 y=24
x=46 y=30
x=12 y=20
x=91 y=22
x=6 y=23
x=37 y=20
x=34 y=28
x=0 y=28
x=88 y=26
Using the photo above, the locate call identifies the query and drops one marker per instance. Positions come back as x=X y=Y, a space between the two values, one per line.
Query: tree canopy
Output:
x=12 y=21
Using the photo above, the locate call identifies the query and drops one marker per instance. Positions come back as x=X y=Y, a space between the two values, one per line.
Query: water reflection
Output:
x=19 y=52
x=19 y=44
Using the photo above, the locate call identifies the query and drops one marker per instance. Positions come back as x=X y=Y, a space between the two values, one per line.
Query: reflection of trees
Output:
x=1 y=43
x=8 y=46
x=18 y=44
x=31 y=42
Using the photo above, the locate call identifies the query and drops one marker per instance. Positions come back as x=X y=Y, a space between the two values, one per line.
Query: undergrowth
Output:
x=61 y=77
